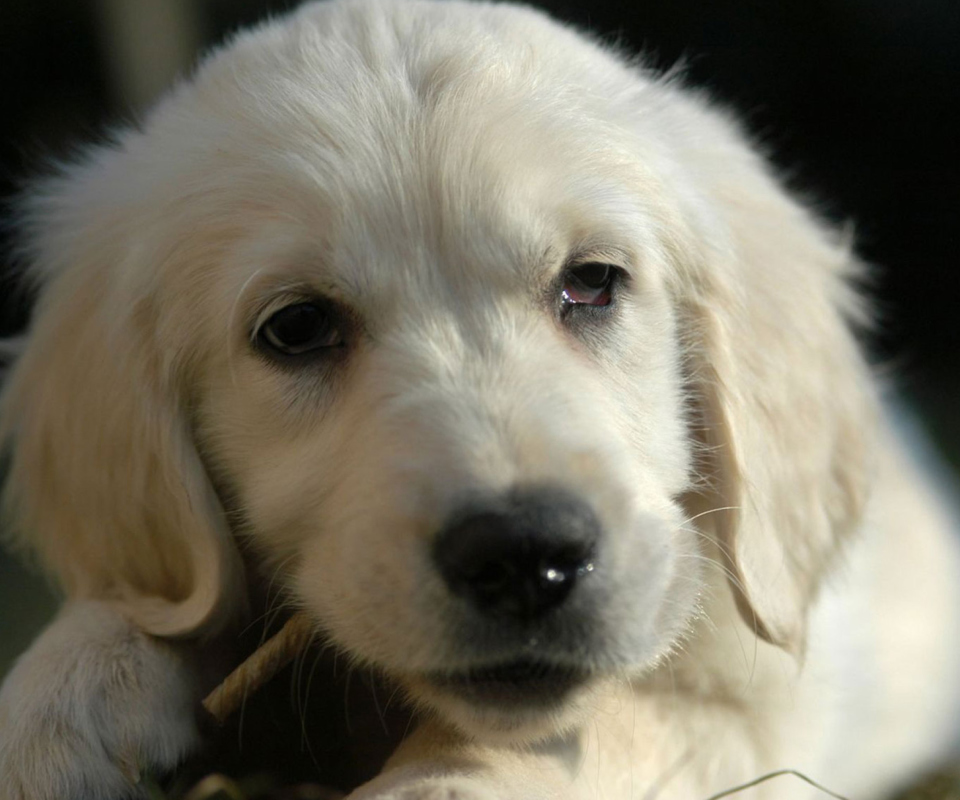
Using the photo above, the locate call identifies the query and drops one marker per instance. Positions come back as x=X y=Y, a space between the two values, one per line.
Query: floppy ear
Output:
x=104 y=484
x=784 y=395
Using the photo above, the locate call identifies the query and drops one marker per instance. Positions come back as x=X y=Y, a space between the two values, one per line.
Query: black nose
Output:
x=518 y=556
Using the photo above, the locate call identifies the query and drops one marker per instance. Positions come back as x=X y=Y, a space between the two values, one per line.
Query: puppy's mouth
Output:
x=520 y=683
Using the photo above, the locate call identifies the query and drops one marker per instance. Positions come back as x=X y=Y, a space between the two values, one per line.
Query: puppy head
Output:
x=434 y=301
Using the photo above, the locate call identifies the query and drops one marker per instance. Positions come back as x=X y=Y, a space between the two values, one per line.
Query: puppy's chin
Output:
x=512 y=703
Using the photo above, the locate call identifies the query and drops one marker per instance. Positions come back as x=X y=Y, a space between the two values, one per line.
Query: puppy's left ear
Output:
x=783 y=394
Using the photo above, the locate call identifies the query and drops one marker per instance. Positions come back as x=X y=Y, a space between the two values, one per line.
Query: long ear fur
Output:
x=104 y=483
x=784 y=395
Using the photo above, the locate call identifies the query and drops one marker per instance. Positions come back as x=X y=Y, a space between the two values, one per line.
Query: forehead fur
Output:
x=337 y=135
x=372 y=123
x=363 y=116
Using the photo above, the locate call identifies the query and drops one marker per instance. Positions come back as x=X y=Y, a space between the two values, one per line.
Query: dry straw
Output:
x=272 y=656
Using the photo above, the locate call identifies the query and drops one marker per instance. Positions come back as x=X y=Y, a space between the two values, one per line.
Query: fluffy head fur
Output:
x=431 y=170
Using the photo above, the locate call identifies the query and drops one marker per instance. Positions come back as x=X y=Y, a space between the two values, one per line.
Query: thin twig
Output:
x=272 y=656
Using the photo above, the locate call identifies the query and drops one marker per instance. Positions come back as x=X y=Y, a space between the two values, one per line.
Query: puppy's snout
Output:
x=520 y=556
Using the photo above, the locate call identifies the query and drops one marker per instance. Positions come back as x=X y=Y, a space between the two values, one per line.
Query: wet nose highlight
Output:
x=521 y=555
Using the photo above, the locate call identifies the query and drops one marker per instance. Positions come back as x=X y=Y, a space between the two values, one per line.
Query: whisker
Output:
x=304 y=738
x=376 y=704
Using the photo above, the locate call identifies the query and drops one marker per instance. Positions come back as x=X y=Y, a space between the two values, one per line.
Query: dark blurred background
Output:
x=857 y=101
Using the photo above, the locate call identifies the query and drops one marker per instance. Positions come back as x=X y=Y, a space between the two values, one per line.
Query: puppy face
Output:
x=430 y=301
x=435 y=321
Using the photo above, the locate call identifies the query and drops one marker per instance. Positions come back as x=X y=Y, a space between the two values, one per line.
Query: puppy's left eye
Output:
x=301 y=328
x=588 y=285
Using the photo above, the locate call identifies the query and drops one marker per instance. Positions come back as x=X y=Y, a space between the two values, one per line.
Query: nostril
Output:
x=492 y=577
x=519 y=556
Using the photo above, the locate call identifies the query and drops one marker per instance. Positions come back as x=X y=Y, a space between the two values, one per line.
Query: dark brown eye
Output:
x=588 y=285
x=300 y=328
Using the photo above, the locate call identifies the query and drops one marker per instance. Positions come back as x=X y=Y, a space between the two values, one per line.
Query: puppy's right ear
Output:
x=104 y=483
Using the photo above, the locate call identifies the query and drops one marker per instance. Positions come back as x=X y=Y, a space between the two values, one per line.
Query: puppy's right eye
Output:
x=301 y=328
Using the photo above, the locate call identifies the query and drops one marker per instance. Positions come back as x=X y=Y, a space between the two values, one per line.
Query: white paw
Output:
x=445 y=790
x=92 y=703
x=412 y=784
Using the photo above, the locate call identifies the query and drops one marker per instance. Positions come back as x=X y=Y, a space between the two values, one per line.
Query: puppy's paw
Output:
x=89 y=706
x=430 y=780
x=435 y=789
x=449 y=789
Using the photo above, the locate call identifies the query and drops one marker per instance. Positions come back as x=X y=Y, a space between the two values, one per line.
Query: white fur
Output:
x=780 y=588
x=93 y=701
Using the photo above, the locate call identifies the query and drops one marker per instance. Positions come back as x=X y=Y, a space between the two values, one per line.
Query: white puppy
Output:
x=526 y=377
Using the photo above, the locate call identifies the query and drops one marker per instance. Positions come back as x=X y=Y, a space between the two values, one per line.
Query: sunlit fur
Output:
x=432 y=168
